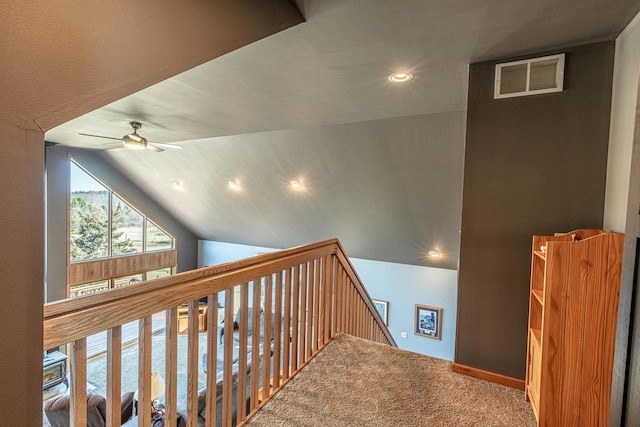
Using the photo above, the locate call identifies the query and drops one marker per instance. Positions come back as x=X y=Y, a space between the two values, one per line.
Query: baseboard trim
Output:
x=488 y=376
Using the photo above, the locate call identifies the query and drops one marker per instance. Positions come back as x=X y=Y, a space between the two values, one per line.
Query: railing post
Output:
x=311 y=313
x=255 y=344
x=277 y=338
x=266 y=352
x=144 y=371
x=241 y=393
x=303 y=317
x=114 y=364
x=295 y=316
x=193 y=339
x=171 y=365
x=227 y=375
x=78 y=409
x=287 y=323
x=212 y=357
x=316 y=306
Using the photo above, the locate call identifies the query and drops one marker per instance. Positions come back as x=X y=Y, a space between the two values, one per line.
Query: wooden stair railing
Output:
x=308 y=294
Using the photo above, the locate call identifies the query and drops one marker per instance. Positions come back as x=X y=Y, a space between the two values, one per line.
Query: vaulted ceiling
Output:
x=381 y=163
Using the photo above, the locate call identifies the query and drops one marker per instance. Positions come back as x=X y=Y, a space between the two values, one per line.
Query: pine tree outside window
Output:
x=102 y=224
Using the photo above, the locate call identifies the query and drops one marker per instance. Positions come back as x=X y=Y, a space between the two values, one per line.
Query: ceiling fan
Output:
x=133 y=141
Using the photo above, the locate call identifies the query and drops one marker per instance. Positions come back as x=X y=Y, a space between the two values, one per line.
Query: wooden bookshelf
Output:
x=573 y=306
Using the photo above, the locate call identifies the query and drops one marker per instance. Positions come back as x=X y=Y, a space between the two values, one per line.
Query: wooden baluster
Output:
x=287 y=324
x=212 y=357
x=337 y=301
x=227 y=370
x=78 y=409
x=328 y=297
x=114 y=372
x=332 y=299
x=363 y=319
x=303 y=314
x=241 y=392
x=372 y=325
x=348 y=306
x=277 y=337
x=322 y=288
x=316 y=305
x=310 y=312
x=193 y=340
x=367 y=321
x=266 y=352
x=295 y=304
x=255 y=345
x=345 y=307
x=354 y=312
x=345 y=300
x=171 y=366
x=144 y=371
x=360 y=317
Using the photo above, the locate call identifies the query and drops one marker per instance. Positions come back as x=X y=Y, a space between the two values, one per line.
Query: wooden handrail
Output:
x=70 y=319
x=309 y=293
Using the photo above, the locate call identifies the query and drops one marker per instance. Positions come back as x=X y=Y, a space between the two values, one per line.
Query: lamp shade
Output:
x=157 y=385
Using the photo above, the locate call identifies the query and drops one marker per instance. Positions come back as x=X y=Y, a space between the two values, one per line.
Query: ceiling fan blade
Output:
x=100 y=136
x=113 y=144
x=154 y=148
x=163 y=145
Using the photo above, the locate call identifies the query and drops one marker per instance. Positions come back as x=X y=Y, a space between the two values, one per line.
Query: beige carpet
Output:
x=353 y=382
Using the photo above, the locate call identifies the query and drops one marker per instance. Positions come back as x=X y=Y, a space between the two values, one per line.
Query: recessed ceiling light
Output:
x=434 y=253
x=233 y=185
x=296 y=184
x=401 y=77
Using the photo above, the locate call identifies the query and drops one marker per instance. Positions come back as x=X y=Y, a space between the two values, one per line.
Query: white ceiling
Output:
x=311 y=79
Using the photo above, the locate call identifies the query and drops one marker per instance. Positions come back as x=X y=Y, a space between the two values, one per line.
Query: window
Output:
x=103 y=224
x=118 y=282
x=89 y=216
x=127 y=228
x=89 y=288
x=157 y=240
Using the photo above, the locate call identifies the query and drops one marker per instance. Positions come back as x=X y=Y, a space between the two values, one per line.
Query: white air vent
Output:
x=529 y=77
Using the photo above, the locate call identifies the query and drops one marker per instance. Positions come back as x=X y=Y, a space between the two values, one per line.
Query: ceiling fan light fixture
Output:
x=134 y=142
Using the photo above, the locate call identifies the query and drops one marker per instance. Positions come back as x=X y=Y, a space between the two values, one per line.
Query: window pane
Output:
x=89 y=217
x=156 y=274
x=127 y=228
x=127 y=280
x=88 y=288
x=157 y=240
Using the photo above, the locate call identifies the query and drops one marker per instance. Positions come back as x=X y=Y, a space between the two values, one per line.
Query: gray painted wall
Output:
x=533 y=165
x=623 y=110
x=401 y=284
x=57 y=179
x=620 y=214
x=21 y=271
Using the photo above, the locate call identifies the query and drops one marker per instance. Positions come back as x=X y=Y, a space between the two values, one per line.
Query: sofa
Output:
x=57 y=410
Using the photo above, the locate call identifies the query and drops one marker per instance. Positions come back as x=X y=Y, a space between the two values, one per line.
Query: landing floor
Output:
x=353 y=382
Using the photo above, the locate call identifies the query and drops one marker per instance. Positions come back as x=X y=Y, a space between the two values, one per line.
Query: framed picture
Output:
x=383 y=309
x=428 y=322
